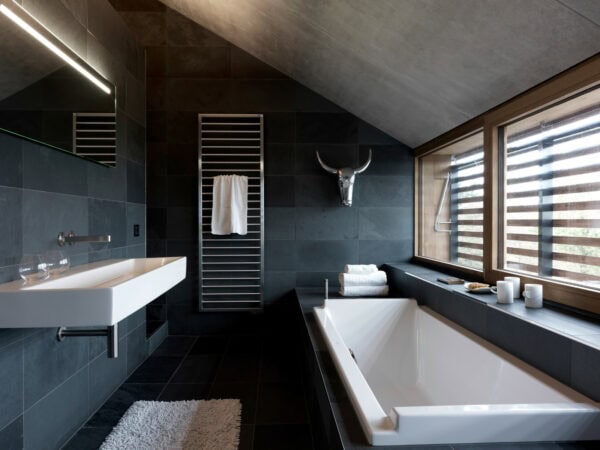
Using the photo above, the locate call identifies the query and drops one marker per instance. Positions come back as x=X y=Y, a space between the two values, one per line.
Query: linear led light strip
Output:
x=57 y=51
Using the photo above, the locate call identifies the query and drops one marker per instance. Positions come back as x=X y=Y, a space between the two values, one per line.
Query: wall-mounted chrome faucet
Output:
x=72 y=238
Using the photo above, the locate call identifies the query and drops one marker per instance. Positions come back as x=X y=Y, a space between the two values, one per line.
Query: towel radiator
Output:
x=231 y=266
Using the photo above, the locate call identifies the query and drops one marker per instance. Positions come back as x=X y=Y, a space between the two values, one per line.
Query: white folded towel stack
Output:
x=230 y=205
x=360 y=268
x=378 y=278
x=364 y=291
x=363 y=281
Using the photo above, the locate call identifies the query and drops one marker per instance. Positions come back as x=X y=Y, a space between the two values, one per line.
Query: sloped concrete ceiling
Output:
x=413 y=68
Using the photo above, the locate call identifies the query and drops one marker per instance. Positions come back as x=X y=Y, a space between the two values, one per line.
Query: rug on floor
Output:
x=185 y=425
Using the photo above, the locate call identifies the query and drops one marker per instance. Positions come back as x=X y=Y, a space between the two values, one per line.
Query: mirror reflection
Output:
x=49 y=95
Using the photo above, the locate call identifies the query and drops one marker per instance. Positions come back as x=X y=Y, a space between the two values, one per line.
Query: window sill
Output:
x=577 y=327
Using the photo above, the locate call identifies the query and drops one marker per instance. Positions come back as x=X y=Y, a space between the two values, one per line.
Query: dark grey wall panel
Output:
x=11 y=203
x=48 y=170
x=585 y=369
x=59 y=414
x=48 y=389
x=11 y=161
x=11 y=384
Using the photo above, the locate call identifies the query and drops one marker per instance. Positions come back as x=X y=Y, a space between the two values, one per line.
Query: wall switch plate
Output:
x=136 y=230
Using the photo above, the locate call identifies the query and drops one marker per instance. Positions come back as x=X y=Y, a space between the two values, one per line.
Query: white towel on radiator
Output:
x=360 y=268
x=230 y=205
x=378 y=278
x=364 y=291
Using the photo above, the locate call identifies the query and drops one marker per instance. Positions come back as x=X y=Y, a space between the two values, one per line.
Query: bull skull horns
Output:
x=346 y=177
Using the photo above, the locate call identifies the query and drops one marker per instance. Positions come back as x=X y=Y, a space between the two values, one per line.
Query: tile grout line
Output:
x=219 y=365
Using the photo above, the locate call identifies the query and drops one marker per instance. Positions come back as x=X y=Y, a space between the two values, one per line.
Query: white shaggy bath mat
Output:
x=185 y=425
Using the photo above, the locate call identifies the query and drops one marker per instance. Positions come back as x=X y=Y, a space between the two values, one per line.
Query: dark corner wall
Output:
x=309 y=236
x=48 y=389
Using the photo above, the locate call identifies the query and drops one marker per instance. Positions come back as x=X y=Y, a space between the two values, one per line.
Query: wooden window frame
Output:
x=567 y=84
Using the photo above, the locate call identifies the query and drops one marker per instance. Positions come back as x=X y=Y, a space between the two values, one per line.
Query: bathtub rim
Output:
x=371 y=415
x=379 y=427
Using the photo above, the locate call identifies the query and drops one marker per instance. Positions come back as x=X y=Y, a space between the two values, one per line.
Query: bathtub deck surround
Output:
x=417 y=378
x=335 y=423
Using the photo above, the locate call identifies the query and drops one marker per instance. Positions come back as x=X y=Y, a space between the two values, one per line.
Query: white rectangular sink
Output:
x=96 y=294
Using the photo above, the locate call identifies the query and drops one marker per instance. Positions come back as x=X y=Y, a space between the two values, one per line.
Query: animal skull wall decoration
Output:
x=346 y=177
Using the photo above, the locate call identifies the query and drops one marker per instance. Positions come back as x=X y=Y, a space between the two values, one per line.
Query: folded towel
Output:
x=364 y=291
x=360 y=268
x=230 y=205
x=378 y=278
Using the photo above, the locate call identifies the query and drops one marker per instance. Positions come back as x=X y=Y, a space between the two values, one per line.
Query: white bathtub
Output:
x=421 y=379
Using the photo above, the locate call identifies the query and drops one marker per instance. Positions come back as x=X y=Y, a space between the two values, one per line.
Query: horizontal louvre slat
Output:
x=557 y=174
x=522 y=252
x=568 y=240
x=575 y=258
x=478 y=234
x=522 y=266
x=556 y=158
x=558 y=223
x=571 y=189
x=469 y=256
x=462 y=244
x=466 y=200
x=470 y=211
x=470 y=222
x=572 y=206
x=463 y=178
x=577 y=276
x=463 y=189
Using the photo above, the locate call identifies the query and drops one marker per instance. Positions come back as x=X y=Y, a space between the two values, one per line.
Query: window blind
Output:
x=552 y=199
x=466 y=238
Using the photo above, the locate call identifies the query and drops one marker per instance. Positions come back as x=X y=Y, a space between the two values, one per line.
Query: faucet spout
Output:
x=72 y=238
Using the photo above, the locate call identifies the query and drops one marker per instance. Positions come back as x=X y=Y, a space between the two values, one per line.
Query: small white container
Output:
x=516 y=281
x=504 y=291
x=534 y=295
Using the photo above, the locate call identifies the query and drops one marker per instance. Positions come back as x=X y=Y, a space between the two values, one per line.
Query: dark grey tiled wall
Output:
x=47 y=388
x=308 y=234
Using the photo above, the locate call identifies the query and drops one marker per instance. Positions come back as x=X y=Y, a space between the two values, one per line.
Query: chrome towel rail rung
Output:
x=231 y=271
x=233 y=154
x=229 y=170
x=230 y=131
x=227 y=240
x=230 y=278
x=208 y=124
x=231 y=247
x=215 y=294
x=228 y=255
x=229 y=162
x=233 y=146
x=230 y=263
x=232 y=301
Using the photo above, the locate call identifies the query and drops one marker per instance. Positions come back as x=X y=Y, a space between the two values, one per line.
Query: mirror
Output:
x=49 y=95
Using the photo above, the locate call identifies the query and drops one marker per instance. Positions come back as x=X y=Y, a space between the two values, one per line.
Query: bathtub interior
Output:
x=410 y=356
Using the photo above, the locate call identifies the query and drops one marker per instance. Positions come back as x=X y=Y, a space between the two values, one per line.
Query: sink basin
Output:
x=96 y=294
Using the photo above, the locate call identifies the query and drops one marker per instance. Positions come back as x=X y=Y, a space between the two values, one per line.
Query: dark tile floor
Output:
x=262 y=371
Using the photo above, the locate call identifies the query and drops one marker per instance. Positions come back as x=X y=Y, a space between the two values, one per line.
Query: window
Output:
x=551 y=195
x=523 y=177
x=450 y=199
